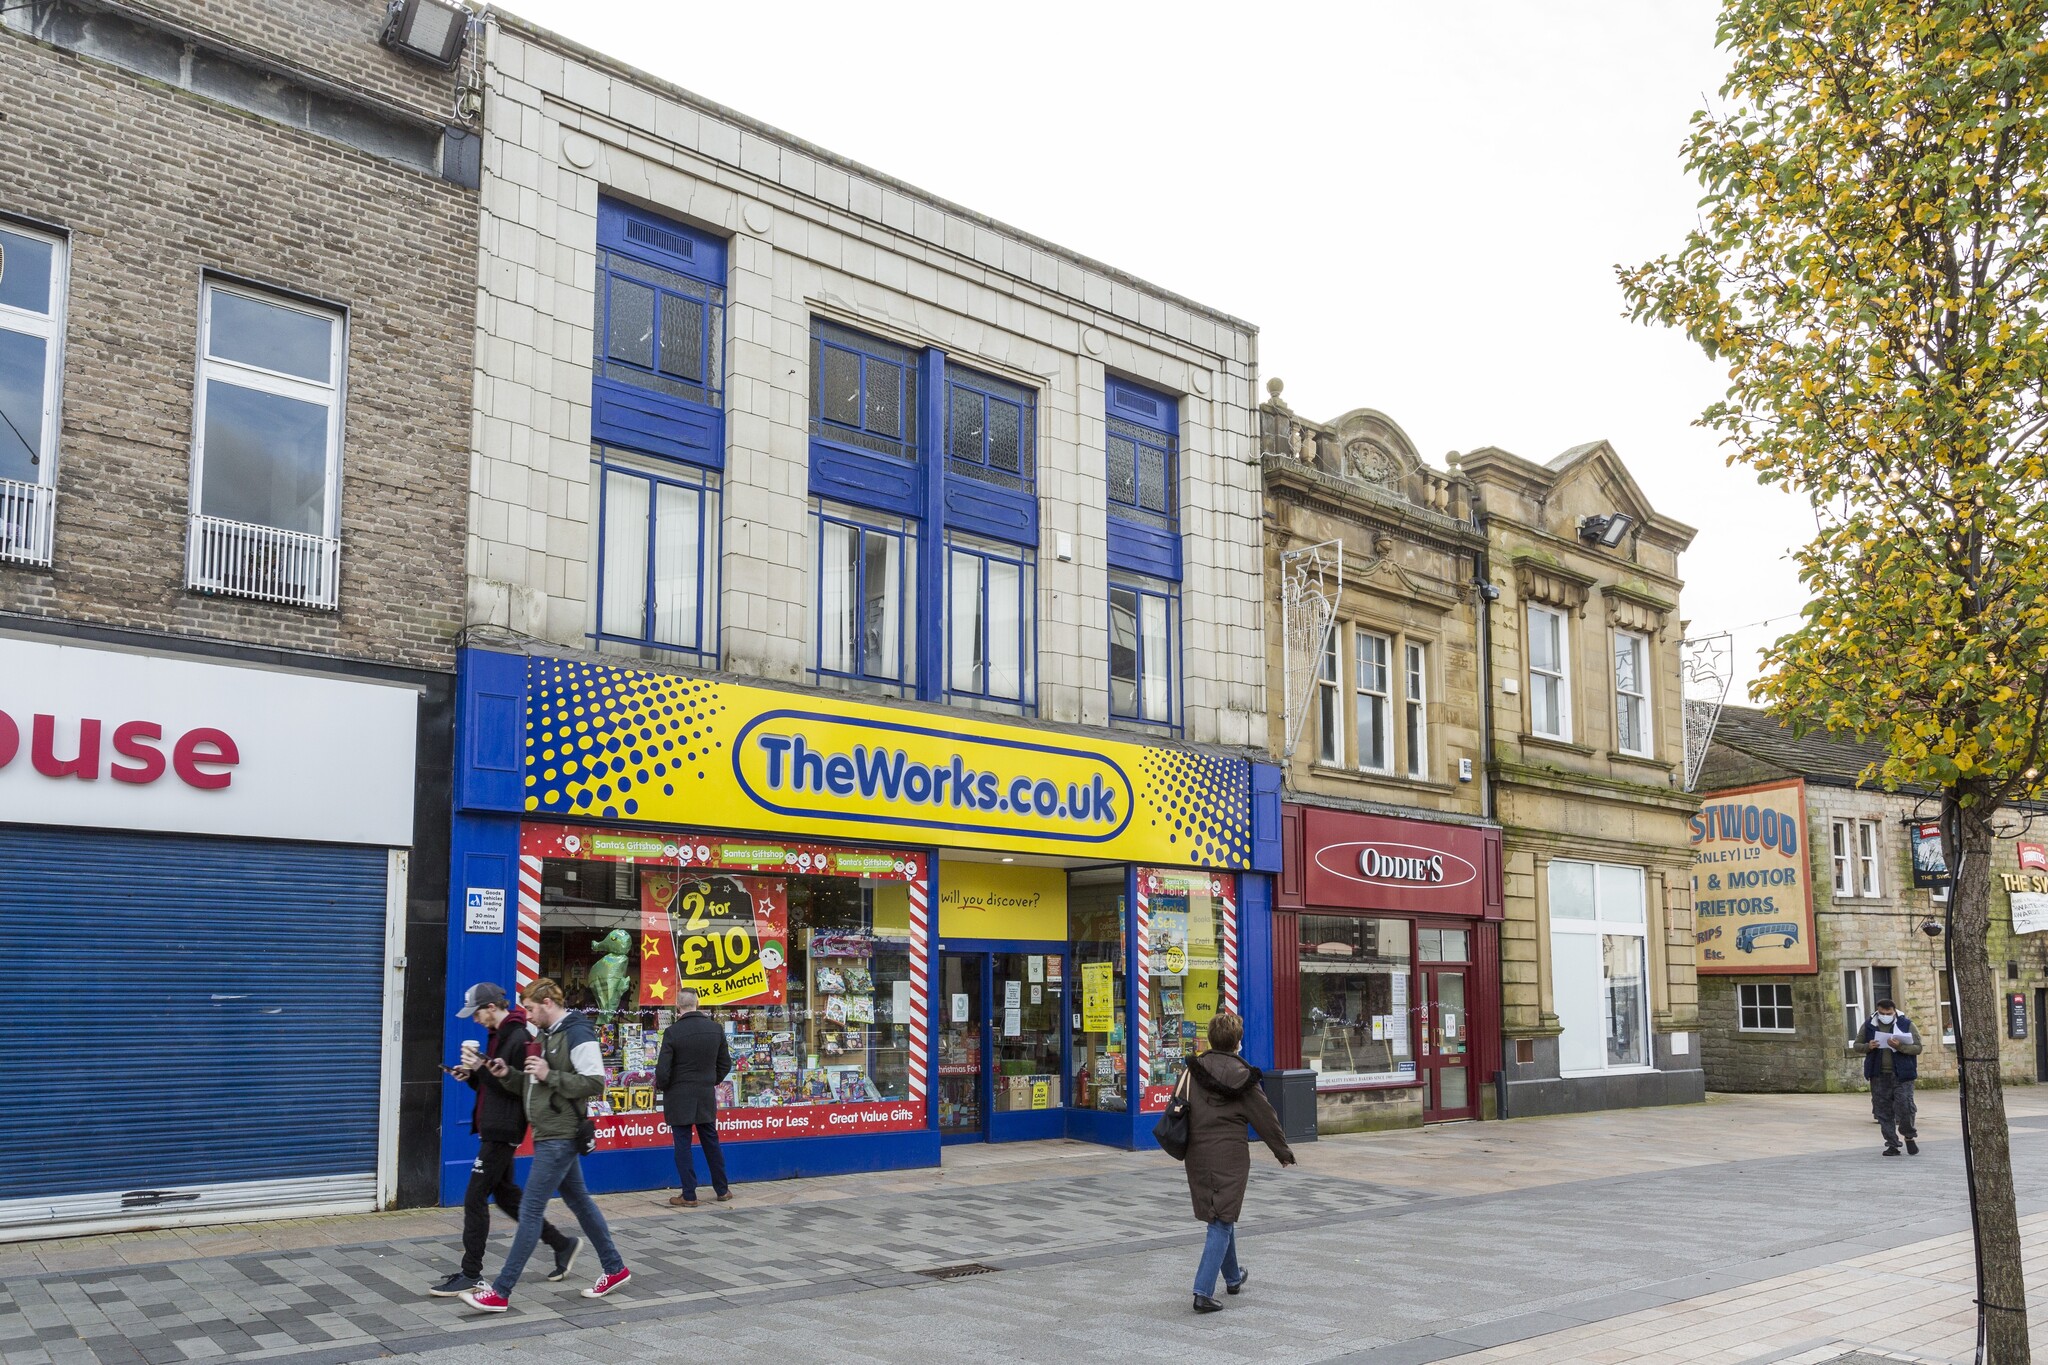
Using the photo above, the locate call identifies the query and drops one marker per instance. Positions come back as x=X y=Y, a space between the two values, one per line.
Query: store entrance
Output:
x=1445 y=1054
x=1001 y=1057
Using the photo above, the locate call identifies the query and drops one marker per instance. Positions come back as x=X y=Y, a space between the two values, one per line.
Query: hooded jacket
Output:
x=556 y=1105
x=1223 y=1097
x=498 y=1115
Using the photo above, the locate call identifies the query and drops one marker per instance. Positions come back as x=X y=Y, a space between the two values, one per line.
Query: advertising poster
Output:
x=1752 y=882
x=1170 y=936
x=724 y=937
x=1098 y=998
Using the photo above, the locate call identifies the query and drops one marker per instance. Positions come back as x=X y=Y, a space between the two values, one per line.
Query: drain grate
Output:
x=955 y=1272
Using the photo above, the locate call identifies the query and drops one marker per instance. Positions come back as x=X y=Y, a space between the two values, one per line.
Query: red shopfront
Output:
x=1386 y=965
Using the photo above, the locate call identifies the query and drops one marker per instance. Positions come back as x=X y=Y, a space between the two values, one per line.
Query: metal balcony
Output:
x=27 y=511
x=240 y=559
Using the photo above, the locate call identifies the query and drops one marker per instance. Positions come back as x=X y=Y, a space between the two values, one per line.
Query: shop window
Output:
x=31 y=343
x=655 y=594
x=1599 y=966
x=1632 y=693
x=1853 y=849
x=1185 y=950
x=991 y=624
x=1097 y=950
x=804 y=958
x=867 y=598
x=1550 y=702
x=1354 y=1000
x=1373 y=702
x=1763 y=1007
x=1144 y=651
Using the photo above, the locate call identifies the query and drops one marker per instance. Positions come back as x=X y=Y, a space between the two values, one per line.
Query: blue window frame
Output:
x=658 y=372
x=991 y=430
x=864 y=391
x=867 y=598
x=991 y=623
x=1141 y=468
x=1144 y=475
x=653 y=589
x=1144 y=652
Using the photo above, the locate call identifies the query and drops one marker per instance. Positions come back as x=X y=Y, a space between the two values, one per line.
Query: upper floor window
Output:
x=1374 y=702
x=657 y=552
x=1550 y=714
x=1632 y=693
x=1329 y=714
x=1415 y=698
x=1853 y=845
x=990 y=637
x=662 y=331
x=864 y=391
x=1143 y=469
x=1144 y=652
x=31 y=344
x=266 y=464
x=991 y=431
x=867 y=597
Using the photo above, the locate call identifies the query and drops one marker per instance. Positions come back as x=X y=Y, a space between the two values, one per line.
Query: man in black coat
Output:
x=499 y=1122
x=694 y=1059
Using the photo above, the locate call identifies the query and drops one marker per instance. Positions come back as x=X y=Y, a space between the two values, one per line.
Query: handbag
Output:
x=1171 y=1132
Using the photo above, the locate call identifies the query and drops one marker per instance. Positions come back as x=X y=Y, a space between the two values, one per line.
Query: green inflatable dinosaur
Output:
x=608 y=975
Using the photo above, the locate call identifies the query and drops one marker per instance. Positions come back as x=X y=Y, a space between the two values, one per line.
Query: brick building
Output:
x=237 y=253
x=1873 y=863
x=1387 y=920
x=811 y=508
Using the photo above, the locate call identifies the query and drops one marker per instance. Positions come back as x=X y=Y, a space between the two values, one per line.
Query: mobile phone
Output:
x=450 y=1070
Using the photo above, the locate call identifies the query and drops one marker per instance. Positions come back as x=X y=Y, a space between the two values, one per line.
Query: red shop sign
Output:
x=1377 y=862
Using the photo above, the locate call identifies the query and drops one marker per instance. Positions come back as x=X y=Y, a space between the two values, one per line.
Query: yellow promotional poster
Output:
x=1041 y=1094
x=1098 y=998
x=619 y=743
x=1002 y=900
x=1752 y=893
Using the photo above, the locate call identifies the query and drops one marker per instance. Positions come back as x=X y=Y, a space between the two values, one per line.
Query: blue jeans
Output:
x=554 y=1168
x=1218 y=1253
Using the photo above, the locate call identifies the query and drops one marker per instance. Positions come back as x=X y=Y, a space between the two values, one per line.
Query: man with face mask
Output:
x=1891 y=1062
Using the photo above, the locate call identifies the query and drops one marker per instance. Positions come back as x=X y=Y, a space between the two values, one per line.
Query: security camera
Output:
x=1490 y=591
x=1931 y=928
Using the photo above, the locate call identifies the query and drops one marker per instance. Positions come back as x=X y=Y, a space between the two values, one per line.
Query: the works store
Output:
x=916 y=928
x=1386 y=966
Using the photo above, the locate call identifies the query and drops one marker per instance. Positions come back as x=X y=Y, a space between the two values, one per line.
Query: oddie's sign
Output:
x=615 y=743
x=1379 y=862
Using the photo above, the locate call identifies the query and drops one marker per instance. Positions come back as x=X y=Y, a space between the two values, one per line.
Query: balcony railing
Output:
x=241 y=559
x=26 y=513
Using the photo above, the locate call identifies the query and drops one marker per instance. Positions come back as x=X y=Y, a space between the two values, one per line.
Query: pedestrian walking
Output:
x=498 y=1119
x=1891 y=1063
x=1223 y=1098
x=694 y=1059
x=563 y=1069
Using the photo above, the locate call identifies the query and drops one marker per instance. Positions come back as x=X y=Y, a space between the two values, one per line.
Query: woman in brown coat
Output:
x=1223 y=1096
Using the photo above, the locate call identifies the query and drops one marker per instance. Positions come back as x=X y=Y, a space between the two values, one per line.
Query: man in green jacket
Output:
x=564 y=1070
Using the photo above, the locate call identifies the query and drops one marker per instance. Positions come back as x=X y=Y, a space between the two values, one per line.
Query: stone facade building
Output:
x=237 y=241
x=1871 y=903
x=1380 y=728
x=1584 y=736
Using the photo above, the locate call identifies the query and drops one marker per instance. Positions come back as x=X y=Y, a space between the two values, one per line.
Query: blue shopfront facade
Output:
x=916 y=928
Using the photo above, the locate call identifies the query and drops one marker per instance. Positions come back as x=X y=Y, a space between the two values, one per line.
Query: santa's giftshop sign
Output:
x=101 y=739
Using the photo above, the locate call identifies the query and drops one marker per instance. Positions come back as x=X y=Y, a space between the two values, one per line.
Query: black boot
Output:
x=1205 y=1304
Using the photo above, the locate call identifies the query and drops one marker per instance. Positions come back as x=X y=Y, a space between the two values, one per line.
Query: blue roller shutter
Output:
x=191 y=1024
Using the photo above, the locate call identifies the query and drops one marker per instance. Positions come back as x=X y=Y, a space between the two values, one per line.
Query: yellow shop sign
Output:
x=615 y=742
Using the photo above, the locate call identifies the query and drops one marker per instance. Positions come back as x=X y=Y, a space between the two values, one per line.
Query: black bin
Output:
x=1293 y=1094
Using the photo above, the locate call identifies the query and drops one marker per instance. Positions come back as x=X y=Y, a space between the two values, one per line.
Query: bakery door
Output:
x=963 y=1047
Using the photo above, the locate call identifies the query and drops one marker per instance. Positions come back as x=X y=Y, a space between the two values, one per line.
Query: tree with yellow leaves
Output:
x=1871 y=264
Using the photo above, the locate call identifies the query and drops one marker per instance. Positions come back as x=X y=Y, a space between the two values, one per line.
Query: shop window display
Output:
x=1184 y=971
x=802 y=954
x=1354 y=1000
x=1095 y=914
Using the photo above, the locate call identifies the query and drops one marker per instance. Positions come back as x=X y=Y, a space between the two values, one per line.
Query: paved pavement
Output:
x=1649 y=1235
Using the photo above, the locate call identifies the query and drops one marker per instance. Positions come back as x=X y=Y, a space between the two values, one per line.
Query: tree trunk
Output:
x=2001 y=1290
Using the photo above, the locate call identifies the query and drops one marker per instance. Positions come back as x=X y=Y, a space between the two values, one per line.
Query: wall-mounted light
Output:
x=1605 y=531
x=430 y=31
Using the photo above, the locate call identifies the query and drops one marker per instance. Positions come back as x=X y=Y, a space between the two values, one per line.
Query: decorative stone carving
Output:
x=1553 y=585
x=1367 y=459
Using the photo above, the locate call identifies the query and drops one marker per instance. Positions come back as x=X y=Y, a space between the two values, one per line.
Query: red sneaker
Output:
x=485 y=1299
x=605 y=1284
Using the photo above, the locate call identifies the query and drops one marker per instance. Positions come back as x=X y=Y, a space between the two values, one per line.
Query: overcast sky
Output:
x=1419 y=205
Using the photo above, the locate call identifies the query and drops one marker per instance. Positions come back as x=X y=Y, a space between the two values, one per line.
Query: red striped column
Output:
x=1139 y=1081
x=529 y=923
x=1226 y=888
x=920 y=919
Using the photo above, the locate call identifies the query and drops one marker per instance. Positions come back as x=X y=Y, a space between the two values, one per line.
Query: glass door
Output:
x=1027 y=1005
x=1446 y=1051
x=962 y=1046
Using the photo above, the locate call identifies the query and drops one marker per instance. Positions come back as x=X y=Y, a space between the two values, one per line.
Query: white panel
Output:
x=1580 y=992
x=316 y=758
